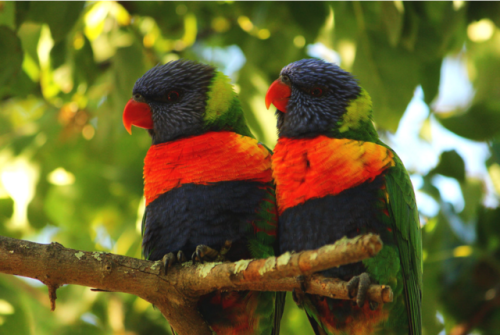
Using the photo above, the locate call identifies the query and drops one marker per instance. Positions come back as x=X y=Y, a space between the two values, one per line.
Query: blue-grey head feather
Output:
x=183 y=117
x=308 y=115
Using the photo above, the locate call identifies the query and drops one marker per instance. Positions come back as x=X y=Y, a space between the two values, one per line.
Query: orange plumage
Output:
x=204 y=159
x=314 y=168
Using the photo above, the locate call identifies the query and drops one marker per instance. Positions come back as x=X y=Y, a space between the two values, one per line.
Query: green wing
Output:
x=408 y=236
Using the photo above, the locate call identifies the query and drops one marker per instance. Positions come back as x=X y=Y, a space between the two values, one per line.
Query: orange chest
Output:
x=314 y=168
x=209 y=158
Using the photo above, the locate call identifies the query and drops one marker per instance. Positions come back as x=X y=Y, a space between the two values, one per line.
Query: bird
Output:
x=334 y=178
x=207 y=185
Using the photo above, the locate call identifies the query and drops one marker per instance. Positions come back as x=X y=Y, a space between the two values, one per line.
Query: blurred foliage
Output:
x=70 y=173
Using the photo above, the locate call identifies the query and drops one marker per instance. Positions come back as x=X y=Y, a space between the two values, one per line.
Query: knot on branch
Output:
x=53 y=295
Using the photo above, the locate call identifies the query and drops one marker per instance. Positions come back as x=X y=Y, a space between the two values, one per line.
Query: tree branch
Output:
x=176 y=294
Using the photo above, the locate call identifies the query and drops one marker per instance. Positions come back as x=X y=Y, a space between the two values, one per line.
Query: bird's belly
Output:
x=192 y=214
x=321 y=221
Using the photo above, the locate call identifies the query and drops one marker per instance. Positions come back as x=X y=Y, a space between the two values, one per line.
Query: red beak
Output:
x=137 y=114
x=278 y=94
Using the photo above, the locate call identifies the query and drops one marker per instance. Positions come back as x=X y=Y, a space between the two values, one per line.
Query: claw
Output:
x=181 y=258
x=302 y=281
x=298 y=294
x=298 y=297
x=205 y=253
x=360 y=284
x=168 y=260
x=373 y=305
x=352 y=286
x=225 y=248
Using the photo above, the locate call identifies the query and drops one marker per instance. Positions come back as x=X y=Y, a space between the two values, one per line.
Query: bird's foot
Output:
x=360 y=284
x=170 y=259
x=204 y=253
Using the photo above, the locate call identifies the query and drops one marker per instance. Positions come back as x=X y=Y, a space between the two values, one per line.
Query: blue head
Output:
x=311 y=96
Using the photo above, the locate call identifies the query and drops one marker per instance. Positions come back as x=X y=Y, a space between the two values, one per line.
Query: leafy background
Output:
x=70 y=173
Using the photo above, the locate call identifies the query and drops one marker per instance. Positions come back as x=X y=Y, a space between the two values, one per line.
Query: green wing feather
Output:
x=263 y=244
x=279 y=307
x=408 y=236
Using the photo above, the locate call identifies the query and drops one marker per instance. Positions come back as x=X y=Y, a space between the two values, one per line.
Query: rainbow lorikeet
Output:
x=335 y=178
x=208 y=186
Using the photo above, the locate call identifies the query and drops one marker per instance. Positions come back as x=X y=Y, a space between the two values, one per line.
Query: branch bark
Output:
x=176 y=293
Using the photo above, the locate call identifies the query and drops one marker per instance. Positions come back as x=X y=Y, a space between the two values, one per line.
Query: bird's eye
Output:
x=173 y=96
x=316 y=92
x=285 y=79
x=137 y=97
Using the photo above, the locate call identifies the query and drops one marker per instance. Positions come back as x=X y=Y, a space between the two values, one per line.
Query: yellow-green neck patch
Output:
x=358 y=111
x=220 y=96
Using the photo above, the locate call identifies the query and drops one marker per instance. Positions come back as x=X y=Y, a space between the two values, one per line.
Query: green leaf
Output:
x=393 y=21
x=410 y=27
x=485 y=59
x=21 y=85
x=481 y=121
x=451 y=165
x=310 y=16
x=477 y=10
x=430 y=189
x=495 y=152
x=84 y=68
x=430 y=74
x=472 y=191
x=29 y=33
x=390 y=75
x=128 y=64
x=22 y=9
x=6 y=211
x=16 y=318
x=7 y=14
x=58 y=54
x=432 y=30
x=61 y=16
x=488 y=229
x=11 y=56
x=163 y=12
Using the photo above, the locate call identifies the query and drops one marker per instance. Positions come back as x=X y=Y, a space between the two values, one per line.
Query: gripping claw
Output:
x=360 y=284
x=204 y=253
